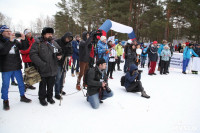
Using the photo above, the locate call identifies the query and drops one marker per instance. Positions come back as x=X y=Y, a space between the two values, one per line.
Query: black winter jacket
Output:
x=85 y=48
x=66 y=47
x=11 y=61
x=43 y=56
x=93 y=80
x=153 y=53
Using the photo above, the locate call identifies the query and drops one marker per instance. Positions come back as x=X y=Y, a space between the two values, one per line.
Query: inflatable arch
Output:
x=109 y=24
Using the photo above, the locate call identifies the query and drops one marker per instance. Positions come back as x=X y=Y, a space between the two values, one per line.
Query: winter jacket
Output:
x=10 y=57
x=65 y=46
x=25 y=53
x=144 y=52
x=197 y=51
x=43 y=56
x=93 y=80
x=102 y=48
x=160 y=49
x=130 y=77
x=119 y=49
x=112 y=55
x=75 y=46
x=153 y=53
x=85 y=48
x=165 y=54
x=188 y=52
x=131 y=56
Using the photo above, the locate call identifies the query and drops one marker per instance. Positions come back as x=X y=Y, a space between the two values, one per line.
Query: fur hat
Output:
x=103 y=38
x=47 y=30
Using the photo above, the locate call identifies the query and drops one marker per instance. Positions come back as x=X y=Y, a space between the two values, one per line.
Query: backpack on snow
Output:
x=122 y=80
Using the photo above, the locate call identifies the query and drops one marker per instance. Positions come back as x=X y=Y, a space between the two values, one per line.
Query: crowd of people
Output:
x=94 y=64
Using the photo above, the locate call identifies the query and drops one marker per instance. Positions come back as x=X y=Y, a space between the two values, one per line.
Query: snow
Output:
x=172 y=108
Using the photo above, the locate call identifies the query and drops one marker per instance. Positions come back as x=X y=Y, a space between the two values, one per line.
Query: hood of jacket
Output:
x=84 y=35
x=67 y=34
x=133 y=67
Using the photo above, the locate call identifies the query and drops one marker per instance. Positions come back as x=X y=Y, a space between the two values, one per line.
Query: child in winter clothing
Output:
x=187 y=54
x=111 y=63
x=144 y=56
x=165 y=55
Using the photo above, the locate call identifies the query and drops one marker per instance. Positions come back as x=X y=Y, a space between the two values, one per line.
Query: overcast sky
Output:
x=25 y=11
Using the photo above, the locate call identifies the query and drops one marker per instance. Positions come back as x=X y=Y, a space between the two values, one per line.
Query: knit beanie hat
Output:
x=2 y=28
x=26 y=31
x=103 y=38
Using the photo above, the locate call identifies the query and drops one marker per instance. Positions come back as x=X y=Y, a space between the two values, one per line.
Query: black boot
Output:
x=63 y=93
x=6 y=105
x=43 y=102
x=145 y=95
x=13 y=83
x=50 y=100
x=24 y=99
x=58 y=97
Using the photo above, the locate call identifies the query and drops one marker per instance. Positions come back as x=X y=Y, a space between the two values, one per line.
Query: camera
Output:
x=18 y=34
x=108 y=90
x=94 y=35
x=140 y=71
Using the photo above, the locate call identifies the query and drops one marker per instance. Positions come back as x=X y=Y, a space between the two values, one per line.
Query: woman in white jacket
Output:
x=112 y=58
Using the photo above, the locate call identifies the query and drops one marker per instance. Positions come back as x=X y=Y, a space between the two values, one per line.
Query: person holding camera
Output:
x=132 y=81
x=67 y=50
x=45 y=53
x=26 y=54
x=97 y=84
x=10 y=62
x=84 y=55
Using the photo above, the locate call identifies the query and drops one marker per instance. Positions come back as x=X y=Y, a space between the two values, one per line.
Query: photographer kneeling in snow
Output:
x=97 y=84
x=132 y=81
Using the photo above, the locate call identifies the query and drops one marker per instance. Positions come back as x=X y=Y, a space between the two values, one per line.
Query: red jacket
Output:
x=25 y=53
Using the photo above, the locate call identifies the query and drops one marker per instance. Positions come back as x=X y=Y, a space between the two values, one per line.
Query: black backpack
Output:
x=122 y=80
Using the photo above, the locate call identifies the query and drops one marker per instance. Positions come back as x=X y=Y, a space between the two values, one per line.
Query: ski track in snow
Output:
x=172 y=108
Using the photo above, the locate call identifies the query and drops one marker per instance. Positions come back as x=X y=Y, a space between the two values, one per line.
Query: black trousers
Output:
x=91 y=62
x=111 y=66
x=164 y=67
x=135 y=87
x=46 y=87
x=118 y=61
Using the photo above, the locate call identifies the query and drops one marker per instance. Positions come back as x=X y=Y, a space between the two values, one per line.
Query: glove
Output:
x=107 y=51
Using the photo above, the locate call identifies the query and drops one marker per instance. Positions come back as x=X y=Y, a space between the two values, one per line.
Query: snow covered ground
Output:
x=173 y=108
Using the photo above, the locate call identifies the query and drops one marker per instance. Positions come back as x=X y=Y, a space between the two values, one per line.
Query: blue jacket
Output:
x=129 y=77
x=144 y=52
x=188 y=52
x=75 y=46
x=101 y=49
x=165 y=54
x=160 y=49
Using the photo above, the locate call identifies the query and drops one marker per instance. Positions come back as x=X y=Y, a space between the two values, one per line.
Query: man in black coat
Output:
x=10 y=63
x=66 y=46
x=97 y=84
x=44 y=54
